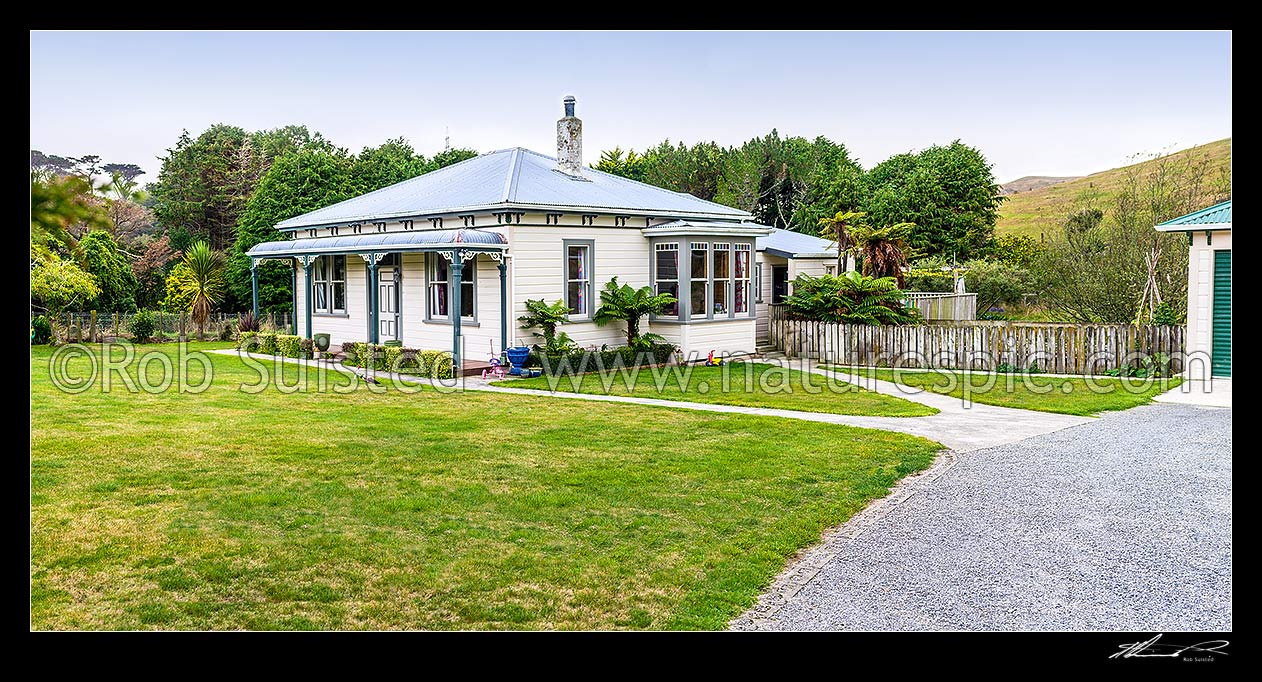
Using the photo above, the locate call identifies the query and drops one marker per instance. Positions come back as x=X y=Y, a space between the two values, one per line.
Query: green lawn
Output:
x=366 y=510
x=744 y=384
x=1034 y=391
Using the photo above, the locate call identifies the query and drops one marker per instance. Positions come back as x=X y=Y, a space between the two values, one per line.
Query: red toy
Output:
x=711 y=362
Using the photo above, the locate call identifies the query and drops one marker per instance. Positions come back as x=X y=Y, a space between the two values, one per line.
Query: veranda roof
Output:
x=411 y=240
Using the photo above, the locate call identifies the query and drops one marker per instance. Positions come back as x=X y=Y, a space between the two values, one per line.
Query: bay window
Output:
x=712 y=280
x=666 y=275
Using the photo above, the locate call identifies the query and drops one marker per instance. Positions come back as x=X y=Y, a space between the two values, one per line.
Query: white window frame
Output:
x=705 y=279
x=333 y=284
x=739 y=282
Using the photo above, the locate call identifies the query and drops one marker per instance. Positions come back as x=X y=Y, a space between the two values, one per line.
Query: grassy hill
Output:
x=1041 y=210
x=1032 y=182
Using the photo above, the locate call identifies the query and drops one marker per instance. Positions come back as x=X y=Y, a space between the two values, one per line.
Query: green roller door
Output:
x=1222 y=314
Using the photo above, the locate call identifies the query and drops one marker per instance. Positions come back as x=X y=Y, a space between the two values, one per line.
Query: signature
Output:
x=1154 y=649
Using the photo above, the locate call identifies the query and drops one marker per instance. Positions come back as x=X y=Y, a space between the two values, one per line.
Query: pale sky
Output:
x=1035 y=103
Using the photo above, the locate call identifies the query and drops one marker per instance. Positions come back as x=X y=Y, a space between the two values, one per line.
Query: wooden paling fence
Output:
x=1056 y=348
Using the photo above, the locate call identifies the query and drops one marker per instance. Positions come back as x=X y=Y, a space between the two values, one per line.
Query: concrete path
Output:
x=957 y=426
x=1122 y=524
x=1212 y=393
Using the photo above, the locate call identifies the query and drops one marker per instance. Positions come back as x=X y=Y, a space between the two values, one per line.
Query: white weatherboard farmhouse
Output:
x=449 y=258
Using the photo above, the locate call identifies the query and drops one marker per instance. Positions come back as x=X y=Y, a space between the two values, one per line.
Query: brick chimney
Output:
x=570 y=140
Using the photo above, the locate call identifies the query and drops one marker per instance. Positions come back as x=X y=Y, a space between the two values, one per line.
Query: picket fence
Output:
x=1058 y=348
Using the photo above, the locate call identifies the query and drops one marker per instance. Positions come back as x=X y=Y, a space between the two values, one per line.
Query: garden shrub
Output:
x=143 y=324
x=290 y=346
x=227 y=332
x=426 y=363
x=580 y=361
x=267 y=343
x=851 y=298
x=41 y=331
x=247 y=340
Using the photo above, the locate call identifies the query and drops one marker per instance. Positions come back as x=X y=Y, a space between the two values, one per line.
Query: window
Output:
x=337 y=283
x=699 y=285
x=320 y=292
x=830 y=269
x=740 y=279
x=722 y=276
x=439 y=283
x=328 y=280
x=578 y=277
x=758 y=282
x=666 y=275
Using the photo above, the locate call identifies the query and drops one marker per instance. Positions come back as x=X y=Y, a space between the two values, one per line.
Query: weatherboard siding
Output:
x=539 y=271
x=1200 y=318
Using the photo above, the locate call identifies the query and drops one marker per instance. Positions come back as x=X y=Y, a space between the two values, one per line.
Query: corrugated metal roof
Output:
x=414 y=240
x=510 y=178
x=1218 y=214
x=796 y=244
x=702 y=227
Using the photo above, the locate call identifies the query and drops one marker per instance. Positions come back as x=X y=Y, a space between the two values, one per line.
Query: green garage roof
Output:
x=1216 y=217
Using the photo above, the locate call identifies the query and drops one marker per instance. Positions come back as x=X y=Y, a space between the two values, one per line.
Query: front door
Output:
x=388 y=302
x=779 y=283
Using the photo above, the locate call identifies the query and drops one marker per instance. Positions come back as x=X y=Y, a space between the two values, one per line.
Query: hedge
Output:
x=294 y=346
x=426 y=363
x=268 y=343
x=580 y=361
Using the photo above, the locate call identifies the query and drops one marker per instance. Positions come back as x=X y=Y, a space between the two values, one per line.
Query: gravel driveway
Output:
x=1120 y=524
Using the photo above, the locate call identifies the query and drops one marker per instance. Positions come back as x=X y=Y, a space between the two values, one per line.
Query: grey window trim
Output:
x=451 y=284
x=591 y=276
x=757 y=282
x=679 y=271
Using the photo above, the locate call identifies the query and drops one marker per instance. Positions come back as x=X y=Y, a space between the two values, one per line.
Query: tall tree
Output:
x=948 y=192
x=203 y=184
x=837 y=228
x=196 y=284
x=151 y=268
x=126 y=171
x=60 y=208
x=626 y=164
x=295 y=184
x=112 y=272
x=883 y=250
x=384 y=165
